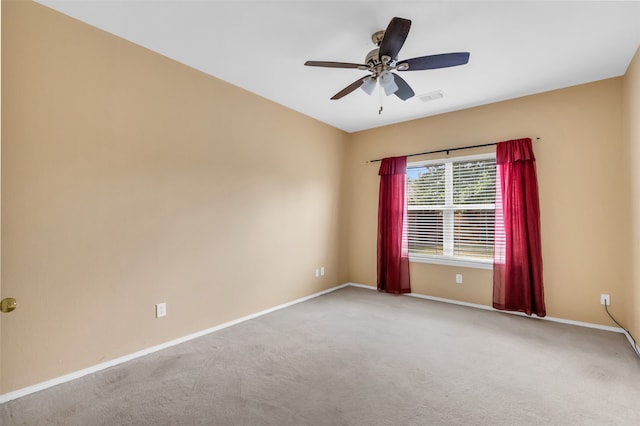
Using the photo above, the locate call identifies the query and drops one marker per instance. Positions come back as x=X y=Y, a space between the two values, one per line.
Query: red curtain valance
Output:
x=519 y=150
x=393 y=166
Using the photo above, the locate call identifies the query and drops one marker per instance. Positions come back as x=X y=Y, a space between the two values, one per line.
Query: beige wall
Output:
x=582 y=194
x=632 y=134
x=128 y=180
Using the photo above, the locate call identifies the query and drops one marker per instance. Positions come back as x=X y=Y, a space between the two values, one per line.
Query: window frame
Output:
x=446 y=259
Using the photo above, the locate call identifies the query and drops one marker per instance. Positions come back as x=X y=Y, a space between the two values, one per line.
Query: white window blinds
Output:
x=451 y=208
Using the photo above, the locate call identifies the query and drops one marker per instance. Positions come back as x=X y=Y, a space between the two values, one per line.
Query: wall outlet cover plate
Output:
x=161 y=310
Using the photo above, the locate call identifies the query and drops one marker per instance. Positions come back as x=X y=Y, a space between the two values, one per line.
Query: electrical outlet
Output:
x=317 y=273
x=458 y=278
x=161 y=310
x=605 y=299
x=322 y=270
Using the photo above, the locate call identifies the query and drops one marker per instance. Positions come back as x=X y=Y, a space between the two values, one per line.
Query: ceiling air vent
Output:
x=432 y=96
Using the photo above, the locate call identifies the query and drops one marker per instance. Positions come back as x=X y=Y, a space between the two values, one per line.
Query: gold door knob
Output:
x=8 y=304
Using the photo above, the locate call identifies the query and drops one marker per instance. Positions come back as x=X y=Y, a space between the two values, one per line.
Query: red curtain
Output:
x=517 y=266
x=393 y=246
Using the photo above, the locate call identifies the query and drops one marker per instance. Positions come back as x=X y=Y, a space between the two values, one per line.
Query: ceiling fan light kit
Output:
x=382 y=61
x=368 y=85
x=388 y=84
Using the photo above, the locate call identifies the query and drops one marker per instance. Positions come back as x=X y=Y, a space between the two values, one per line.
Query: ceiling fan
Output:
x=380 y=62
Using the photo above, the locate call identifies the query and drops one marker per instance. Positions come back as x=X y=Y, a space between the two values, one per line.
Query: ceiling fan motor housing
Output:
x=373 y=58
x=378 y=66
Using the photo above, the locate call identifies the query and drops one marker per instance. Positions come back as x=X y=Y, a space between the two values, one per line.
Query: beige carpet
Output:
x=358 y=357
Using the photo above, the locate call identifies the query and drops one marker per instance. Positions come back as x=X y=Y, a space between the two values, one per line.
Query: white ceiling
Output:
x=517 y=48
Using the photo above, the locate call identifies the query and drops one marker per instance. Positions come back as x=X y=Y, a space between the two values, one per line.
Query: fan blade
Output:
x=436 y=61
x=335 y=65
x=404 y=91
x=350 y=88
x=394 y=37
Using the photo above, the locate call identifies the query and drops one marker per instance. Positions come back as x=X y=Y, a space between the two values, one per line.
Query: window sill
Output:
x=452 y=261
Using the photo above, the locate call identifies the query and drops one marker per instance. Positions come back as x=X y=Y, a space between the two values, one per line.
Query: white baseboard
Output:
x=632 y=342
x=546 y=318
x=98 y=367
x=368 y=287
x=490 y=308
x=93 y=369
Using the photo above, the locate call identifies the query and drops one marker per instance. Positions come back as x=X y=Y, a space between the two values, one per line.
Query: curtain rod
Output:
x=446 y=150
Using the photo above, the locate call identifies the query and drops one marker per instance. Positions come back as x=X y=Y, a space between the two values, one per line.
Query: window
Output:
x=451 y=210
